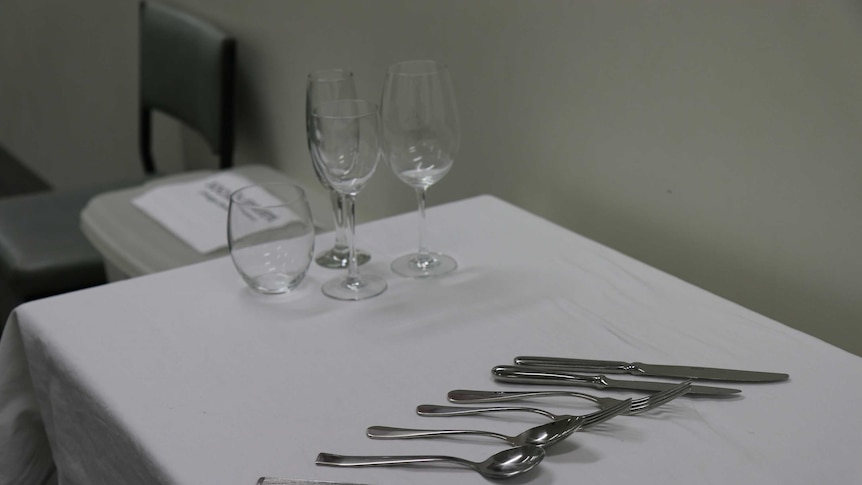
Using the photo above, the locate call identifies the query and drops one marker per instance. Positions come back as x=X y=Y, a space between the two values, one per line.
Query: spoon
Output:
x=543 y=436
x=505 y=464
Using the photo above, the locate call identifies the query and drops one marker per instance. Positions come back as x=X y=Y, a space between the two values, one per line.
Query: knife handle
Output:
x=528 y=375
x=578 y=365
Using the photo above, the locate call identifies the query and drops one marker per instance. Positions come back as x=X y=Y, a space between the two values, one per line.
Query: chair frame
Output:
x=224 y=147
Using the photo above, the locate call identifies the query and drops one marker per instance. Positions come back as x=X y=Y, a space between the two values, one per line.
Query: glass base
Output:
x=337 y=258
x=274 y=283
x=353 y=289
x=423 y=265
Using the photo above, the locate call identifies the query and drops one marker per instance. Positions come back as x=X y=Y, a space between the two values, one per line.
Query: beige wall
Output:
x=717 y=140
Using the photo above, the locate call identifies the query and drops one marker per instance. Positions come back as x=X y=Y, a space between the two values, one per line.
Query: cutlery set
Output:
x=529 y=446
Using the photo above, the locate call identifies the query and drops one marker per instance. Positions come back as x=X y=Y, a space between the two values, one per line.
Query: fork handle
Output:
x=434 y=410
x=388 y=432
x=468 y=396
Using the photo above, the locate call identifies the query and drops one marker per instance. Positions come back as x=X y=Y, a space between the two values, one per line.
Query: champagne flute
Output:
x=421 y=137
x=345 y=138
x=328 y=85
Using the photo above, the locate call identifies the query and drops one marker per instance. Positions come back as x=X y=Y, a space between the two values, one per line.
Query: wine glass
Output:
x=345 y=138
x=328 y=85
x=421 y=136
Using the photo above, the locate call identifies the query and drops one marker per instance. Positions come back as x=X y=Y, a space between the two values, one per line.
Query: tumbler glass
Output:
x=271 y=236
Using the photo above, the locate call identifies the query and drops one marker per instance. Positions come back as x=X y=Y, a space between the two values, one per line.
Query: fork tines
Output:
x=655 y=400
x=605 y=414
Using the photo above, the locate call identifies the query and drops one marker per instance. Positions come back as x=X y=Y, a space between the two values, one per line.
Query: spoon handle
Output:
x=330 y=459
x=387 y=432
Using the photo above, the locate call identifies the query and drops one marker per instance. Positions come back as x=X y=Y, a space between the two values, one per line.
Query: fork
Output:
x=583 y=421
x=639 y=405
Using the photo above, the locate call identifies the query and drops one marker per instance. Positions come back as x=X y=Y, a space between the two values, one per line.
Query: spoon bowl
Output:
x=511 y=462
x=505 y=464
x=548 y=434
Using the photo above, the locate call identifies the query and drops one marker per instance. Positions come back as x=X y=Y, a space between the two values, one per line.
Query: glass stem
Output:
x=353 y=279
x=338 y=211
x=420 y=198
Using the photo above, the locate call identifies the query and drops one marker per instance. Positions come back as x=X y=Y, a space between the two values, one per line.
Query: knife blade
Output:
x=652 y=370
x=291 y=481
x=536 y=375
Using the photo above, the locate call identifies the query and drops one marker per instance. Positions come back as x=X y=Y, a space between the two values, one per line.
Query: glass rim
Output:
x=299 y=195
x=433 y=67
x=370 y=109
x=337 y=74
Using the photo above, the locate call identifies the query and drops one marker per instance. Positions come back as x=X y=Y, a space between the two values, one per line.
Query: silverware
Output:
x=638 y=405
x=641 y=369
x=505 y=464
x=291 y=481
x=536 y=375
x=582 y=422
x=543 y=436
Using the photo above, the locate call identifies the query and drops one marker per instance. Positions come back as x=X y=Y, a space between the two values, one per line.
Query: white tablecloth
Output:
x=187 y=377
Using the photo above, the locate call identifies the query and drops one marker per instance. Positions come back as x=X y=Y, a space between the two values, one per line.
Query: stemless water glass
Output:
x=346 y=141
x=329 y=85
x=271 y=236
x=421 y=137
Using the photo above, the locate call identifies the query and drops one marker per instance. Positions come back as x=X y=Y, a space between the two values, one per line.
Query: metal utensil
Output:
x=585 y=420
x=292 y=481
x=543 y=436
x=505 y=464
x=641 y=369
x=638 y=405
x=535 y=375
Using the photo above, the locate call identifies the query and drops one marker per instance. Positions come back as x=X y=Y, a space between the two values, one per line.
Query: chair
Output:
x=186 y=70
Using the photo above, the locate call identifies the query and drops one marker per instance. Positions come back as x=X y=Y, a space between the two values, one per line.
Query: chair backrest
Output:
x=186 y=71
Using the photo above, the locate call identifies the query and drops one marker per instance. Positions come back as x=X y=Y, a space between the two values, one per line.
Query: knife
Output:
x=641 y=369
x=290 y=481
x=536 y=375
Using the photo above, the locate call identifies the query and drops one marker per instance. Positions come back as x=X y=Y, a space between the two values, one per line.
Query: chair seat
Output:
x=132 y=243
x=42 y=250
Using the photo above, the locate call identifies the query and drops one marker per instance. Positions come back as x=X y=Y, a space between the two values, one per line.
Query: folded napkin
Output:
x=195 y=212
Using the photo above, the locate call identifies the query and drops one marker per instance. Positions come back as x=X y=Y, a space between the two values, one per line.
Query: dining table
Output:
x=186 y=376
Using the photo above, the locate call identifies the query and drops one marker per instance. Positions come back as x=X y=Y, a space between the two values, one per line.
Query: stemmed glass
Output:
x=345 y=138
x=329 y=85
x=421 y=137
